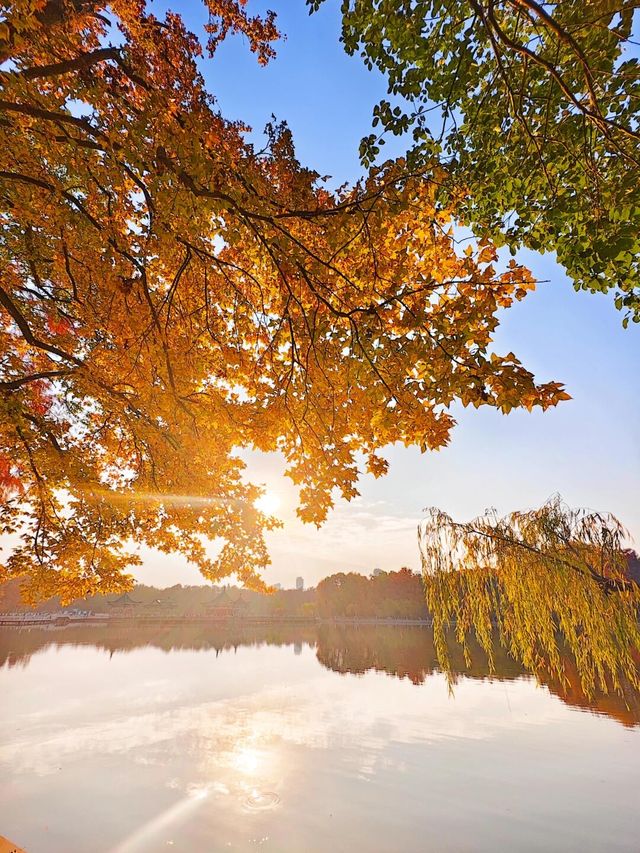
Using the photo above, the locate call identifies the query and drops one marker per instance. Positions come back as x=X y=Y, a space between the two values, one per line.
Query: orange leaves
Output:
x=376 y=465
x=171 y=296
x=487 y=254
x=230 y=16
x=38 y=396
x=10 y=483
x=58 y=325
x=517 y=281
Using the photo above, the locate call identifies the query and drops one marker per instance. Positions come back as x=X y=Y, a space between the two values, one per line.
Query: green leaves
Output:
x=532 y=107
x=537 y=581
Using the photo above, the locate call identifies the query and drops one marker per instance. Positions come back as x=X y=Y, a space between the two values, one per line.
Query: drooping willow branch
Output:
x=535 y=580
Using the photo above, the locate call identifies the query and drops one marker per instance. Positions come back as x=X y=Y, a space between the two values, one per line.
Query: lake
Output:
x=189 y=737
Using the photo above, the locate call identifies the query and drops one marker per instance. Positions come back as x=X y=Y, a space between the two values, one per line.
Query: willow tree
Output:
x=170 y=294
x=533 y=108
x=540 y=582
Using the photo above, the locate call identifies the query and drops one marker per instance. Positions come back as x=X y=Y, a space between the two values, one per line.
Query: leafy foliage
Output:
x=539 y=579
x=171 y=295
x=533 y=106
x=385 y=595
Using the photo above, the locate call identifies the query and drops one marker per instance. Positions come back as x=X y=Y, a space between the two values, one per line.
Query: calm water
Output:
x=301 y=739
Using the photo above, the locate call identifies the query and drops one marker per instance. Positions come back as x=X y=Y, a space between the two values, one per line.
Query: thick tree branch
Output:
x=68 y=66
x=27 y=334
x=14 y=384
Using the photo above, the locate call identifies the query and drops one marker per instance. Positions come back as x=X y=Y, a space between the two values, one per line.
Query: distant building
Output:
x=159 y=606
x=300 y=583
x=277 y=586
x=124 y=605
x=226 y=607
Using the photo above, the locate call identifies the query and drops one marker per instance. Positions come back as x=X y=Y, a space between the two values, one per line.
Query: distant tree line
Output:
x=177 y=600
x=350 y=595
x=397 y=595
x=384 y=595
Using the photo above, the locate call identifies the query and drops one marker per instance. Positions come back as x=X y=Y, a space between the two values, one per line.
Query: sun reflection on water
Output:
x=237 y=771
x=247 y=760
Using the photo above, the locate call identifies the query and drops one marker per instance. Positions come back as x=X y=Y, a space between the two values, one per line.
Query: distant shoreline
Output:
x=30 y=620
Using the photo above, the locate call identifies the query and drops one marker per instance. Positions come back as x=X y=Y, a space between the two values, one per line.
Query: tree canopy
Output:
x=536 y=581
x=533 y=107
x=170 y=295
x=384 y=595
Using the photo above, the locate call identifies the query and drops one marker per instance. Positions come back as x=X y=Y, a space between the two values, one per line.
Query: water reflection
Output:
x=289 y=739
x=404 y=652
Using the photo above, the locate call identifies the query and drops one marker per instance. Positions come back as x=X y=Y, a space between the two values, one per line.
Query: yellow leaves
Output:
x=487 y=253
x=532 y=581
x=376 y=465
x=201 y=299
x=555 y=393
x=229 y=16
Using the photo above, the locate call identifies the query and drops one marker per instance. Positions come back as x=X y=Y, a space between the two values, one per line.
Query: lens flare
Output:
x=268 y=503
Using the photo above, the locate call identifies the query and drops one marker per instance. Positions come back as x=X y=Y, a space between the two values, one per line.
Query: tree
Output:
x=398 y=594
x=170 y=295
x=537 y=580
x=533 y=107
x=386 y=595
x=343 y=594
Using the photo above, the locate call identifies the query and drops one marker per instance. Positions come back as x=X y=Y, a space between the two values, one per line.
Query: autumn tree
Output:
x=343 y=594
x=538 y=582
x=170 y=295
x=398 y=594
x=532 y=106
x=385 y=595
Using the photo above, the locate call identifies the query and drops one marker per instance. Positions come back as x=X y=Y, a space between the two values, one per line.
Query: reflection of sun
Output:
x=268 y=503
x=246 y=760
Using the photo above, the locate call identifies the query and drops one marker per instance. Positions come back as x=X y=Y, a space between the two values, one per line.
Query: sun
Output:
x=268 y=503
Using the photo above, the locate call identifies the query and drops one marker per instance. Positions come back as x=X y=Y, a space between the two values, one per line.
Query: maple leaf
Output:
x=169 y=295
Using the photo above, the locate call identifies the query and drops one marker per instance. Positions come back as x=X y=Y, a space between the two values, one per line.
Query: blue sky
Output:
x=588 y=449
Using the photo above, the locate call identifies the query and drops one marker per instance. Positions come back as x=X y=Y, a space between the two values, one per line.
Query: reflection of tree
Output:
x=409 y=652
x=535 y=580
x=406 y=652
x=403 y=652
x=17 y=646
